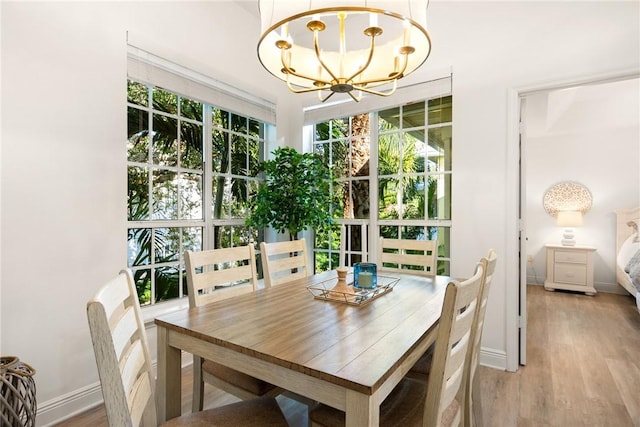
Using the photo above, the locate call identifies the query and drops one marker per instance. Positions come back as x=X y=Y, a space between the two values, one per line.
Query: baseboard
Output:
x=495 y=359
x=68 y=405
x=611 y=288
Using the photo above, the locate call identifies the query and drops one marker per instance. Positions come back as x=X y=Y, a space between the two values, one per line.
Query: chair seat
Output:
x=261 y=412
x=403 y=407
x=246 y=382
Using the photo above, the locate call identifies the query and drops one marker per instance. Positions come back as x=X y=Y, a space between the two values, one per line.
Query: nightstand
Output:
x=570 y=268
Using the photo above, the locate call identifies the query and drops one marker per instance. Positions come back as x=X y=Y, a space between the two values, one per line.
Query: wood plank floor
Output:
x=583 y=369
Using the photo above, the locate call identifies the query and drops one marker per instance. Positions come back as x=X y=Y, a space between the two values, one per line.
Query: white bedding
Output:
x=628 y=249
x=627 y=245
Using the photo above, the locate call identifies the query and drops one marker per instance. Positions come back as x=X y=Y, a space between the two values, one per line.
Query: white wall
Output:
x=495 y=47
x=63 y=127
x=64 y=163
x=588 y=134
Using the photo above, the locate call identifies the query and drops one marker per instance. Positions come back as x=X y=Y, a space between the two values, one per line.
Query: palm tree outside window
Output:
x=405 y=153
x=190 y=172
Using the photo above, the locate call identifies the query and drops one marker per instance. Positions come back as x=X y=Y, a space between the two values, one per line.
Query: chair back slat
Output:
x=123 y=331
x=220 y=273
x=142 y=392
x=400 y=255
x=284 y=261
x=122 y=355
x=451 y=349
x=131 y=365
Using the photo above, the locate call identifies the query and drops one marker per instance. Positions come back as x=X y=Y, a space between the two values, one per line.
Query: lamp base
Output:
x=568 y=238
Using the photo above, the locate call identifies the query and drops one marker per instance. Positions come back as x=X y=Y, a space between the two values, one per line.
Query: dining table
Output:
x=344 y=354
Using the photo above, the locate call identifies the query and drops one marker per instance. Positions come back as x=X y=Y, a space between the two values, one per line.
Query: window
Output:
x=406 y=182
x=191 y=170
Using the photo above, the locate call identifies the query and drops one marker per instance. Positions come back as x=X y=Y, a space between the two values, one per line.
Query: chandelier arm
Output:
x=376 y=92
x=371 y=49
x=353 y=97
x=306 y=90
x=328 y=96
x=394 y=76
x=316 y=47
x=290 y=71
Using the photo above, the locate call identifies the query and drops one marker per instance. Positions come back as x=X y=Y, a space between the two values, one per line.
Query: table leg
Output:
x=168 y=384
x=361 y=410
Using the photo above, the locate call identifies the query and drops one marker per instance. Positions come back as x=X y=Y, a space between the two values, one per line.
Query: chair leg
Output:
x=198 y=385
x=475 y=413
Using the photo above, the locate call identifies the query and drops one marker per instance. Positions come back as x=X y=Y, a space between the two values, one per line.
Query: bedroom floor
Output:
x=583 y=365
x=583 y=369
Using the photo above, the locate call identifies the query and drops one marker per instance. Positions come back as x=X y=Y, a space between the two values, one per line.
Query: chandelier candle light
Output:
x=343 y=46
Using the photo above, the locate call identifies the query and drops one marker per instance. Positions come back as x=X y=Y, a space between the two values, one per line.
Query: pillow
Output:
x=626 y=252
x=634 y=225
x=633 y=268
x=633 y=263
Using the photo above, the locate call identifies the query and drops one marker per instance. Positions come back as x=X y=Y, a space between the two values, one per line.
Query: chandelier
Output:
x=350 y=47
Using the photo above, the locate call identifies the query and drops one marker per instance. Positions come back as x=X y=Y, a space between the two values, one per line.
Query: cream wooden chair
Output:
x=400 y=255
x=284 y=261
x=440 y=400
x=126 y=374
x=214 y=275
x=473 y=412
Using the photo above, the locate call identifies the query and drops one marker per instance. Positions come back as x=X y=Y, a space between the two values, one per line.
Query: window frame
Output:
x=206 y=223
x=374 y=223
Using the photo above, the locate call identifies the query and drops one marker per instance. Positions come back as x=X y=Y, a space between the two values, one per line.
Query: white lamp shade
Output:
x=569 y=219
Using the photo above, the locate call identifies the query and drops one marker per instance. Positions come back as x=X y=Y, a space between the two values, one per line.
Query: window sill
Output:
x=151 y=312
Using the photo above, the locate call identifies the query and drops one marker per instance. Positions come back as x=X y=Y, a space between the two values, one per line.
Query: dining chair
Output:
x=215 y=275
x=284 y=261
x=126 y=373
x=439 y=401
x=473 y=408
x=473 y=412
x=400 y=255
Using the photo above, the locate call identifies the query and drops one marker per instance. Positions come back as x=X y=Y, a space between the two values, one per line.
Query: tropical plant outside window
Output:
x=406 y=182
x=191 y=169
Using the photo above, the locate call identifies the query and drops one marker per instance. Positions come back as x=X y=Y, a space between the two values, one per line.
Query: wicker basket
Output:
x=17 y=393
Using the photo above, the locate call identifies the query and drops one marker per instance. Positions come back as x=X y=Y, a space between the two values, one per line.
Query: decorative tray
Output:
x=355 y=296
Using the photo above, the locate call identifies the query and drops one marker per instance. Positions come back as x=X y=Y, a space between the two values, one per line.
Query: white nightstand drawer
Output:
x=570 y=273
x=570 y=268
x=566 y=256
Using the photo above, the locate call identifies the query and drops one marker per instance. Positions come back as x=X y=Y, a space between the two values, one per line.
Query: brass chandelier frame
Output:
x=338 y=81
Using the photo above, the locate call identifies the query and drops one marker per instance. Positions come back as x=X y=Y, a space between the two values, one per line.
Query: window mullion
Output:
x=374 y=233
x=207 y=179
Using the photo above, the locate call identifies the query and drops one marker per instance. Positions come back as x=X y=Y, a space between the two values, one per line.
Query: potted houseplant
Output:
x=295 y=195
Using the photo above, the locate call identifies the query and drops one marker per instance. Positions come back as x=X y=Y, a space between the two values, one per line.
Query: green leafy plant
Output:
x=295 y=195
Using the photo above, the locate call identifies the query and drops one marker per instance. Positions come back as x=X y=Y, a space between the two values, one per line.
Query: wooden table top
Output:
x=356 y=347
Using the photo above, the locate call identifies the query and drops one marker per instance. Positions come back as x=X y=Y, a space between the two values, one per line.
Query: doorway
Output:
x=562 y=132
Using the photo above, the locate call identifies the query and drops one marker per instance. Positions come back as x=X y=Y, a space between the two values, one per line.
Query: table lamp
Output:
x=569 y=219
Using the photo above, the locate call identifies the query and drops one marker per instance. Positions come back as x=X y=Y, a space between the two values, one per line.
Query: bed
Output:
x=628 y=251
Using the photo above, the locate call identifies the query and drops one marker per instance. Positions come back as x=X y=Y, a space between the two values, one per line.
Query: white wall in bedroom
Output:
x=587 y=134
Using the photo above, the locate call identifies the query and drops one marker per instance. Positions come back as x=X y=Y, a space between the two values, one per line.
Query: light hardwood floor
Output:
x=583 y=369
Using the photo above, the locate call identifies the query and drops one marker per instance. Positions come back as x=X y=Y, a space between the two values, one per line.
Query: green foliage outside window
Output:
x=166 y=183
x=413 y=175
